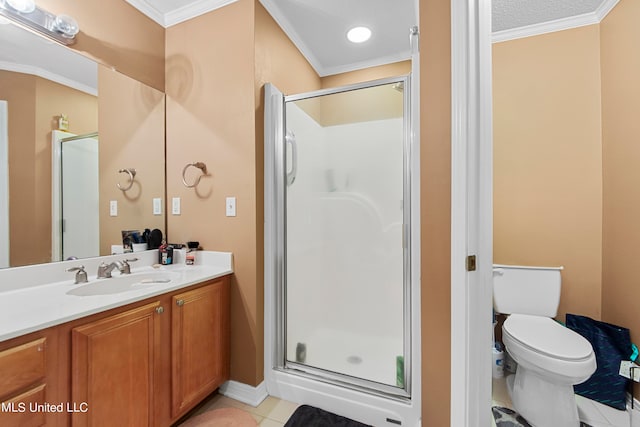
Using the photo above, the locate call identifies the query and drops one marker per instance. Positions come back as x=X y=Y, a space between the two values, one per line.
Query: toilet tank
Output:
x=526 y=290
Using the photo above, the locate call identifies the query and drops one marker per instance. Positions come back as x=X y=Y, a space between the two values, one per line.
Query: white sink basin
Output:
x=122 y=283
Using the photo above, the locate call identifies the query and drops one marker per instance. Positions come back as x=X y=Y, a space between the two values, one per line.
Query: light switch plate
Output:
x=113 y=208
x=157 y=206
x=175 y=206
x=231 y=206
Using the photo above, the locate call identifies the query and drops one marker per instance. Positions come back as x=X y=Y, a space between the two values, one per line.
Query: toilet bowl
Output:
x=550 y=357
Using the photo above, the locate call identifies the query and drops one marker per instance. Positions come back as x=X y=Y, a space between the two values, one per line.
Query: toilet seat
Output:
x=546 y=336
x=544 y=346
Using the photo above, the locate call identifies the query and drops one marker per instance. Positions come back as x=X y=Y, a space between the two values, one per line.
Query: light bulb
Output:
x=22 y=6
x=66 y=26
x=359 y=34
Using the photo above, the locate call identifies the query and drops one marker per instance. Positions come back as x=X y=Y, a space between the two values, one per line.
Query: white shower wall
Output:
x=344 y=246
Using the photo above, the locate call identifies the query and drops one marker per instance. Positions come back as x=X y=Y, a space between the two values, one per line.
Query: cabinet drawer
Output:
x=21 y=366
x=23 y=411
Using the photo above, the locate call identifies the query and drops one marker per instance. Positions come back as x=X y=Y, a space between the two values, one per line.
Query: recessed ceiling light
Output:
x=359 y=34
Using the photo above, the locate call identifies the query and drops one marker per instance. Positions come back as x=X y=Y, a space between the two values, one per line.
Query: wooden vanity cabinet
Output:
x=199 y=344
x=115 y=365
x=29 y=380
x=144 y=364
x=151 y=362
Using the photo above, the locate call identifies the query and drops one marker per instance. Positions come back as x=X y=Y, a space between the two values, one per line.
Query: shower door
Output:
x=344 y=208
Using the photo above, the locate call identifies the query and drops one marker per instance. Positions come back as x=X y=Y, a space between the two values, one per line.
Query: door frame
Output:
x=471 y=212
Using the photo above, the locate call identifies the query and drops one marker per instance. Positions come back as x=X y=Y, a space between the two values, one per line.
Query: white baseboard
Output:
x=245 y=393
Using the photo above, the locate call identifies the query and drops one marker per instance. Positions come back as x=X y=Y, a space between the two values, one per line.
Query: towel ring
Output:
x=198 y=165
x=132 y=174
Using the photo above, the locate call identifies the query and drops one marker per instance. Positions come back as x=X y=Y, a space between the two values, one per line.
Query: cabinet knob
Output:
x=160 y=310
x=180 y=302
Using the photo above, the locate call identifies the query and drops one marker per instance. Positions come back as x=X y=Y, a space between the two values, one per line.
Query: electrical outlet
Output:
x=626 y=371
x=113 y=208
x=157 y=206
x=175 y=206
x=231 y=206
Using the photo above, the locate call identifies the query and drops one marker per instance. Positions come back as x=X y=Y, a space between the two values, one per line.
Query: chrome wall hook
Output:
x=132 y=174
x=198 y=165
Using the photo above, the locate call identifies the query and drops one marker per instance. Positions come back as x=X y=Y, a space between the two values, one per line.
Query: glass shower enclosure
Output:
x=341 y=213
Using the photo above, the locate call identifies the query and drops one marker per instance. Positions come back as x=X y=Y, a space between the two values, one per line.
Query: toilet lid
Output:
x=547 y=336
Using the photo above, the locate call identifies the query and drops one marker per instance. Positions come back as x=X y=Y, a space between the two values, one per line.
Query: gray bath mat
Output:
x=506 y=417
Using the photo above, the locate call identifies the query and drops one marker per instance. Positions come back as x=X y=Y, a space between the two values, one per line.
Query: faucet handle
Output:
x=126 y=268
x=103 y=271
x=81 y=275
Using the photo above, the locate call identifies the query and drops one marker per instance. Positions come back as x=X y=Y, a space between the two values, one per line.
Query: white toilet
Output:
x=551 y=358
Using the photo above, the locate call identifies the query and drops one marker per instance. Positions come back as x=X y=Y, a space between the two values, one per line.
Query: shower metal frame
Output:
x=279 y=351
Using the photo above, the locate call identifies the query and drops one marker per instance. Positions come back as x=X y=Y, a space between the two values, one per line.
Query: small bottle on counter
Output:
x=165 y=254
x=190 y=259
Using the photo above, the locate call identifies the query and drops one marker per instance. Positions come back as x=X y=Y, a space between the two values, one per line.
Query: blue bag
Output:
x=611 y=344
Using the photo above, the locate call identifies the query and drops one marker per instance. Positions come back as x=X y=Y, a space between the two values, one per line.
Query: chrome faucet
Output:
x=104 y=270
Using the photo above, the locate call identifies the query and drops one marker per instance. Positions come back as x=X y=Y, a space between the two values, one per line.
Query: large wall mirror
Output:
x=69 y=191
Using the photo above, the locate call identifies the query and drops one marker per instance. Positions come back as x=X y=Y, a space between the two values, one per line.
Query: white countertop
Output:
x=35 y=306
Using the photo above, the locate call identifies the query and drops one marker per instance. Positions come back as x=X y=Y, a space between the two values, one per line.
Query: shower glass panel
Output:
x=345 y=202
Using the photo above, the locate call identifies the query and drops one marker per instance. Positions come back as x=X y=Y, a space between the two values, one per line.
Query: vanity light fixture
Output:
x=22 y=6
x=359 y=34
x=61 y=28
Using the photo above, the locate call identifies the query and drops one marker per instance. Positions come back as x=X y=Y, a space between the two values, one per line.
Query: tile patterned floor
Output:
x=272 y=412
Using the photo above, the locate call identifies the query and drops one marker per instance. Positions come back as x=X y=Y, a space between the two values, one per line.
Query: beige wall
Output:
x=118 y=35
x=19 y=90
x=620 y=129
x=373 y=73
x=210 y=118
x=435 y=202
x=548 y=160
x=131 y=128
x=34 y=104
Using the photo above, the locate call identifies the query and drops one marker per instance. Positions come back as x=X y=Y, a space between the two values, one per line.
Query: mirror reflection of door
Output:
x=79 y=196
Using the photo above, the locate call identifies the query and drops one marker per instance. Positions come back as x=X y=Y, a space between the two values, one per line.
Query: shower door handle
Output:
x=290 y=139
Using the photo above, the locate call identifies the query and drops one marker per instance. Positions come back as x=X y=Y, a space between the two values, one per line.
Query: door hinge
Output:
x=471 y=263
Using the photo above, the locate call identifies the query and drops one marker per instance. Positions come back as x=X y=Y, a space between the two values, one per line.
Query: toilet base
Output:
x=540 y=402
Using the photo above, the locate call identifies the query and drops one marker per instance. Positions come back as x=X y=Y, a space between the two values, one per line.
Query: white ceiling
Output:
x=318 y=27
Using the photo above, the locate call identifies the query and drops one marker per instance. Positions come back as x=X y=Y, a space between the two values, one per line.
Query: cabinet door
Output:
x=114 y=366
x=200 y=344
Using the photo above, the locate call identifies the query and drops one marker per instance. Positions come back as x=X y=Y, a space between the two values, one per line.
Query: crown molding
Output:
x=148 y=10
x=192 y=10
x=283 y=22
x=604 y=8
x=179 y=15
x=390 y=59
x=545 y=27
x=46 y=74
x=556 y=25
